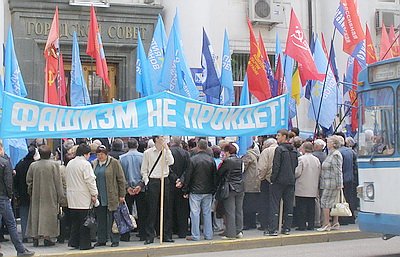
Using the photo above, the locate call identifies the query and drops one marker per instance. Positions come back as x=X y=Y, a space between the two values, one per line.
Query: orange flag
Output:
x=51 y=52
x=297 y=47
x=385 y=52
x=256 y=74
x=392 y=38
x=95 y=48
x=370 y=49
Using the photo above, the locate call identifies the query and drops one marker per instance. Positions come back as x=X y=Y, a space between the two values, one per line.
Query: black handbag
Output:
x=90 y=219
x=222 y=190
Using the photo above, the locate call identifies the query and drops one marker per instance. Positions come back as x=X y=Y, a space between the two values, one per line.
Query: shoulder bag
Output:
x=341 y=208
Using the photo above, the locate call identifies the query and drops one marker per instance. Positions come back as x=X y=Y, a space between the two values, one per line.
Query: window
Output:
x=376 y=135
x=239 y=65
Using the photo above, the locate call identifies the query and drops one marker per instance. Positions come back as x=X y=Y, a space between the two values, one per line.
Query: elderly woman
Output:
x=231 y=171
x=331 y=182
x=110 y=181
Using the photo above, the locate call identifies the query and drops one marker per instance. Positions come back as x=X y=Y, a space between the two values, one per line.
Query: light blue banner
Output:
x=164 y=113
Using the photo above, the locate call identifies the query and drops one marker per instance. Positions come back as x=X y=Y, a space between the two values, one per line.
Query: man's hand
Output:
x=122 y=200
x=186 y=196
x=137 y=190
x=94 y=198
x=178 y=183
x=130 y=191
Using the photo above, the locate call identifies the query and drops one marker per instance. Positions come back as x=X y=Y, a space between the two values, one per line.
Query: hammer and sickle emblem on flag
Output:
x=52 y=78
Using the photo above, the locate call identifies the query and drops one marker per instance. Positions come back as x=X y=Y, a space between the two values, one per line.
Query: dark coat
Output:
x=6 y=180
x=284 y=164
x=232 y=170
x=199 y=178
x=20 y=186
x=181 y=164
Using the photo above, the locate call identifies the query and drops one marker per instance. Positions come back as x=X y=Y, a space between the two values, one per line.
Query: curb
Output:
x=219 y=245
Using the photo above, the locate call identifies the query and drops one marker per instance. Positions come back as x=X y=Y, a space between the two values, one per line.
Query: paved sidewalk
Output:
x=252 y=239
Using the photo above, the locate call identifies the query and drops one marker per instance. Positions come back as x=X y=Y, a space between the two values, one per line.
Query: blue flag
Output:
x=245 y=141
x=333 y=64
x=226 y=73
x=359 y=53
x=16 y=149
x=332 y=95
x=79 y=95
x=307 y=93
x=143 y=80
x=156 y=53
x=13 y=81
x=176 y=76
x=211 y=82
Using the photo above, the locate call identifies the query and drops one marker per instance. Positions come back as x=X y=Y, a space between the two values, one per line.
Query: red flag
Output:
x=353 y=96
x=256 y=74
x=370 y=49
x=353 y=32
x=385 y=52
x=279 y=76
x=95 y=48
x=297 y=48
x=262 y=48
x=392 y=39
x=54 y=35
x=51 y=56
x=50 y=92
x=62 y=81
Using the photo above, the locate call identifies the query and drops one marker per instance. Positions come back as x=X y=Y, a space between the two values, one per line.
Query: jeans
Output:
x=201 y=203
x=23 y=213
x=8 y=216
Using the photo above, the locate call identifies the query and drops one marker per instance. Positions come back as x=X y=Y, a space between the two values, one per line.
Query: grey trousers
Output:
x=233 y=206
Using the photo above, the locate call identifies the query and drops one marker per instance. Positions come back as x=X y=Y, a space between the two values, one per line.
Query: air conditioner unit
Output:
x=266 y=12
x=389 y=17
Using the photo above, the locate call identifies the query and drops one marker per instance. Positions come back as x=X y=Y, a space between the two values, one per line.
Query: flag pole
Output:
x=162 y=198
x=323 y=87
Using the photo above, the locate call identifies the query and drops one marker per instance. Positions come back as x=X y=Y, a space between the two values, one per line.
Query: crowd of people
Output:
x=208 y=189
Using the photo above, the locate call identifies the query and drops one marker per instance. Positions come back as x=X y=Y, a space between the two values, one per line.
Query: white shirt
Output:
x=149 y=158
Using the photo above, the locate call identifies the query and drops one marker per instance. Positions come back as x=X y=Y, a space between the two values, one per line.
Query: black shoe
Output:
x=142 y=239
x=310 y=229
x=59 y=241
x=300 y=229
x=35 y=242
x=115 y=244
x=147 y=242
x=1 y=254
x=285 y=231
x=124 y=239
x=99 y=244
x=271 y=233
x=168 y=240
x=89 y=248
x=49 y=243
x=26 y=252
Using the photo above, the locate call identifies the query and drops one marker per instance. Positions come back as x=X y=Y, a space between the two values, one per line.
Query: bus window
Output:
x=376 y=131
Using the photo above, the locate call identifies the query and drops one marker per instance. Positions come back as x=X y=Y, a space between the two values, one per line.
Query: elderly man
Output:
x=155 y=165
x=306 y=188
x=265 y=170
x=46 y=190
x=131 y=163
